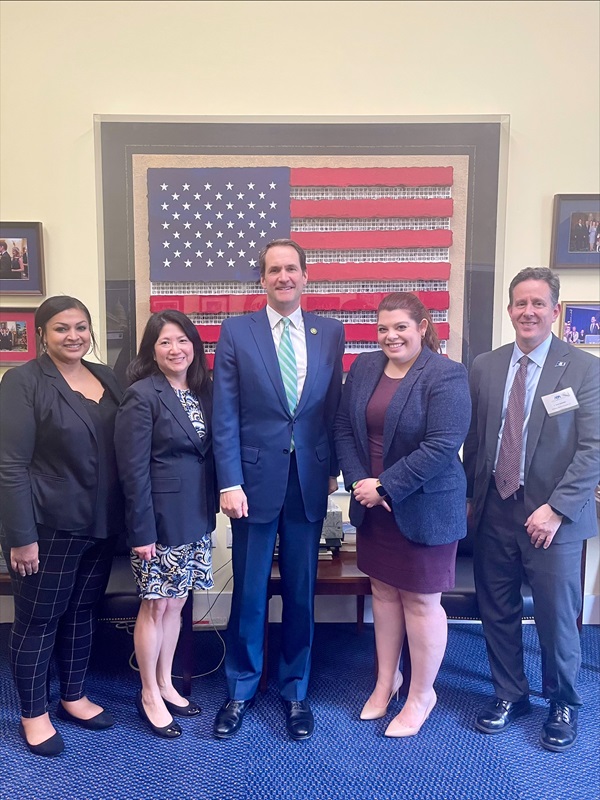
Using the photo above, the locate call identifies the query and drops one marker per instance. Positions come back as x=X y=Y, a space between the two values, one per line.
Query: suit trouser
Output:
x=252 y=556
x=54 y=612
x=503 y=552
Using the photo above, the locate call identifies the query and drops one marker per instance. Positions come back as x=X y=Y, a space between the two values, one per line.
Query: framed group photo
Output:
x=580 y=323
x=21 y=258
x=575 y=231
x=17 y=336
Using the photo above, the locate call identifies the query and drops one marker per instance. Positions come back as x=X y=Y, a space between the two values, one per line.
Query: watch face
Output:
x=381 y=491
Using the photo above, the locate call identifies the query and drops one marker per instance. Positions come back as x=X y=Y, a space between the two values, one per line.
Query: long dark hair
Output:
x=144 y=364
x=409 y=302
x=53 y=306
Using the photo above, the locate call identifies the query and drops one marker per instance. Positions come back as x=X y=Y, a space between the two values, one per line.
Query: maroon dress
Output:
x=382 y=551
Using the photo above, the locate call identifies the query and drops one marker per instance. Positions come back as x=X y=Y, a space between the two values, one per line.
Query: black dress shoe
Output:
x=170 y=731
x=191 y=710
x=497 y=717
x=560 y=729
x=51 y=747
x=230 y=717
x=100 y=722
x=299 y=719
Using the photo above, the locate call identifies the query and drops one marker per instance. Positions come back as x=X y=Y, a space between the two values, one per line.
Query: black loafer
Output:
x=497 y=717
x=230 y=717
x=191 y=710
x=299 y=719
x=560 y=729
x=100 y=722
x=51 y=747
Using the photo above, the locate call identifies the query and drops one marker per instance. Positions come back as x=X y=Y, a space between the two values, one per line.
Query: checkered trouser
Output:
x=54 y=612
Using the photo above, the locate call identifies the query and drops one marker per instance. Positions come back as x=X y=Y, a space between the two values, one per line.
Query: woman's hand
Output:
x=147 y=552
x=25 y=560
x=366 y=493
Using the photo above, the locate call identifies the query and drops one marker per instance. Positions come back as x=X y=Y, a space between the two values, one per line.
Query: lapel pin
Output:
x=561 y=364
x=313 y=330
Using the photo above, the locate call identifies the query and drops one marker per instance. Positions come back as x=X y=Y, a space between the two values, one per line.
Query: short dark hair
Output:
x=53 y=306
x=144 y=364
x=536 y=274
x=407 y=301
x=281 y=243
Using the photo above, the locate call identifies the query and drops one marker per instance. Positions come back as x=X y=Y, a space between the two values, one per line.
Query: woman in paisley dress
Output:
x=166 y=467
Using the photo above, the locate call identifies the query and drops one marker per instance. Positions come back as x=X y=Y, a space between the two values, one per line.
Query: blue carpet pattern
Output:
x=345 y=760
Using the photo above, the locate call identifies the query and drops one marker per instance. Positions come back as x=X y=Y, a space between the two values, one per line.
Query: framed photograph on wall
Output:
x=575 y=231
x=580 y=323
x=17 y=336
x=21 y=258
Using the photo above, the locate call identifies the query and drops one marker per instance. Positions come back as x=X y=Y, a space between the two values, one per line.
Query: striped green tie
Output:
x=287 y=364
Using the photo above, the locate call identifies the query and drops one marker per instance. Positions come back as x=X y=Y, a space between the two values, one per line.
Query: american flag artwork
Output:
x=367 y=231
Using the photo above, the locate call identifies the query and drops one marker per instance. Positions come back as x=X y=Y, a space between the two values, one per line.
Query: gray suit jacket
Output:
x=562 y=460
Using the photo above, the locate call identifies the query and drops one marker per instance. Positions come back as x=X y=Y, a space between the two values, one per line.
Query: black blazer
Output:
x=166 y=471
x=48 y=451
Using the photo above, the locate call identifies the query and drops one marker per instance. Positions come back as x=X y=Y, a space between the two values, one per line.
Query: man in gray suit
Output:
x=532 y=459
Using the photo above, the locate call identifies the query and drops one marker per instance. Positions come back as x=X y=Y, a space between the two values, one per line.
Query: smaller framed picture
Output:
x=580 y=323
x=21 y=258
x=575 y=231
x=17 y=336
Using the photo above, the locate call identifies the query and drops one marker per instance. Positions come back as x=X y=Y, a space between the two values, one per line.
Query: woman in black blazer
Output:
x=165 y=460
x=61 y=510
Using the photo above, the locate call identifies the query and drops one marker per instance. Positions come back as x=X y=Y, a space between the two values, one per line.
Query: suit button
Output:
x=201 y=459
x=285 y=452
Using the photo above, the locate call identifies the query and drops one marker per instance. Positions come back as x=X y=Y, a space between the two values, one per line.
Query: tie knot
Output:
x=523 y=361
x=286 y=322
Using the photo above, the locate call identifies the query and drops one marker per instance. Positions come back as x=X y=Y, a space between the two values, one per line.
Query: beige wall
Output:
x=63 y=62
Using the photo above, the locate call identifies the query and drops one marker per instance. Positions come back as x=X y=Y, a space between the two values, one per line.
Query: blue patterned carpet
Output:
x=345 y=760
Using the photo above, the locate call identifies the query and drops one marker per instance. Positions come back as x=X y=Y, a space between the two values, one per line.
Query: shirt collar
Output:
x=274 y=317
x=538 y=356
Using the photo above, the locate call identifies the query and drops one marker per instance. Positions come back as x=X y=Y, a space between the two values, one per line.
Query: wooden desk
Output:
x=336 y=576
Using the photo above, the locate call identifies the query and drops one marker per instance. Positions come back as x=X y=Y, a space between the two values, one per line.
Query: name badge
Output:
x=560 y=402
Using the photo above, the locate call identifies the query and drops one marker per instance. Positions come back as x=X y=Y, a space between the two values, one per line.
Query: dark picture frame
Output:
x=27 y=264
x=576 y=318
x=575 y=219
x=17 y=336
x=483 y=140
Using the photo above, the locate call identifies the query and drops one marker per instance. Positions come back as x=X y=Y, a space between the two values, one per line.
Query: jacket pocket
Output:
x=166 y=484
x=250 y=454
x=322 y=451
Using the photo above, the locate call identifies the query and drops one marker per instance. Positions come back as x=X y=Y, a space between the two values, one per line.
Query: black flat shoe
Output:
x=497 y=717
x=191 y=710
x=230 y=717
x=170 y=731
x=51 y=747
x=299 y=719
x=560 y=729
x=100 y=722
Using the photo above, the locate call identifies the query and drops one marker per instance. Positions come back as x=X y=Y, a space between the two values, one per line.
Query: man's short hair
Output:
x=3 y=244
x=536 y=274
x=281 y=243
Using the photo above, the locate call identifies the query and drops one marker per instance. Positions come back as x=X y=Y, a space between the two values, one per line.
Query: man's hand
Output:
x=234 y=504
x=367 y=495
x=146 y=552
x=25 y=560
x=542 y=526
x=333 y=485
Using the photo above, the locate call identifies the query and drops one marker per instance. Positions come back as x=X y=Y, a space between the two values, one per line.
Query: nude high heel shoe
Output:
x=371 y=711
x=396 y=730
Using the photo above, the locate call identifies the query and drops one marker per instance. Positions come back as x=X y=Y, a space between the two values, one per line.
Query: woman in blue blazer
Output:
x=61 y=511
x=404 y=414
x=164 y=454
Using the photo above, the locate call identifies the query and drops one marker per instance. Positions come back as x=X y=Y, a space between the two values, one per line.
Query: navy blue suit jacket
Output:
x=253 y=425
x=48 y=451
x=425 y=425
x=166 y=470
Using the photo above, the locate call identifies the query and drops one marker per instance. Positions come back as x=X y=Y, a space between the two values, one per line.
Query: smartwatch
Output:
x=380 y=490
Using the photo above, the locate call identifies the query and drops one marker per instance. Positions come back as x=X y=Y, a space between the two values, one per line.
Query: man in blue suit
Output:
x=277 y=383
